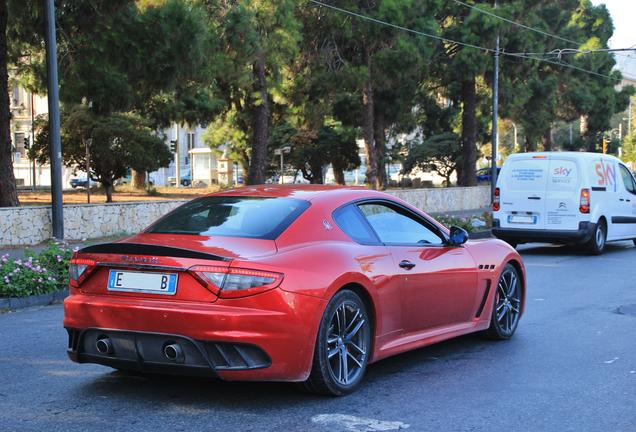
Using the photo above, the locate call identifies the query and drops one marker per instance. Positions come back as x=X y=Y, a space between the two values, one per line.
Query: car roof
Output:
x=327 y=194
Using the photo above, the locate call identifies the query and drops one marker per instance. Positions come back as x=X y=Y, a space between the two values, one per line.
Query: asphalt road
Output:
x=570 y=367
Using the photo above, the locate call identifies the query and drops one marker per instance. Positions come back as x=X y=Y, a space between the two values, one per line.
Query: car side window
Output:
x=351 y=221
x=395 y=227
x=628 y=180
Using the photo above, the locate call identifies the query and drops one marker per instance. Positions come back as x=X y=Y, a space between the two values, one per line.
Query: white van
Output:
x=565 y=197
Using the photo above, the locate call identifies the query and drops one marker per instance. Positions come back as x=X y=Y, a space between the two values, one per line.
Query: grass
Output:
x=121 y=194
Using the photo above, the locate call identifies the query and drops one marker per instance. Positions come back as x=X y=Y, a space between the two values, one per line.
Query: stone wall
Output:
x=32 y=225
x=25 y=226
x=442 y=200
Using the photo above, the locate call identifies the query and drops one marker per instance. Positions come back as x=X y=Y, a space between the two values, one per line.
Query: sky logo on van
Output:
x=562 y=172
x=606 y=174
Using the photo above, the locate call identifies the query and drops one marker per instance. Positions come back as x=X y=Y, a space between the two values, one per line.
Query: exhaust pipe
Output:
x=173 y=352
x=104 y=346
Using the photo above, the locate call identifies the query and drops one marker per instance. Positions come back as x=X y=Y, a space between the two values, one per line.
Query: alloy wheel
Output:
x=347 y=343
x=508 y=302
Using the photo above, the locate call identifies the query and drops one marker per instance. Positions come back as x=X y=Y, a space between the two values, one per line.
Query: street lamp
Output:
x=281 y=152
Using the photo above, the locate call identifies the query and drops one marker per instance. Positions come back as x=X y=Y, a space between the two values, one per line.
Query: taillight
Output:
x=495 y=200
x=584 y=204
x=230 y=282
x=79 y=269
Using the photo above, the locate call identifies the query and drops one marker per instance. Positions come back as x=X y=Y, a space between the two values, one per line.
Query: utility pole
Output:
x=281 y=152
x=177 y=159
x=57 y=210
x=33 y=138
x=629 y=118
x=571 y=137
x=495 y=115
x=88 y=170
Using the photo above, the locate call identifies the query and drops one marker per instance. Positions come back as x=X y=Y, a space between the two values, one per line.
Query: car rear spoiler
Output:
x=150 y=249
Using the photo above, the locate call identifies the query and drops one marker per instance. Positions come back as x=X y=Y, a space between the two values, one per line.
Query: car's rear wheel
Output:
x=596 y=245
x=342 y=347
x=507 y=305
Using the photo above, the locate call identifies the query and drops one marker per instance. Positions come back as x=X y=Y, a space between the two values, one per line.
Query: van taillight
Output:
x=495 y=200
x=584 y=205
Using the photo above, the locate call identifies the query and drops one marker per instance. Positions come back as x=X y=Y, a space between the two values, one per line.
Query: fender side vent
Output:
x=483 y=300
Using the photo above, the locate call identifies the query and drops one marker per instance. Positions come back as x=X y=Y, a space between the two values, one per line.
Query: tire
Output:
x=342 y=351
x=506 y=308
x=596 y=245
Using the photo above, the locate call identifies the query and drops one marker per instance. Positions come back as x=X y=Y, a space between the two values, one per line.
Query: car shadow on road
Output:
x=204 y=393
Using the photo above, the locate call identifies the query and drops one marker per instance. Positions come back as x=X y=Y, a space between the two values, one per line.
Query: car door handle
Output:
x=621 y=199
x=405 y=264
x=534 y=198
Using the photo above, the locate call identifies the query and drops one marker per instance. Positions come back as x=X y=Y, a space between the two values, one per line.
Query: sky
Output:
x=623 y=14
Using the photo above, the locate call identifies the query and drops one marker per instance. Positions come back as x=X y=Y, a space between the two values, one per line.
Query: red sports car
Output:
x=288 y=283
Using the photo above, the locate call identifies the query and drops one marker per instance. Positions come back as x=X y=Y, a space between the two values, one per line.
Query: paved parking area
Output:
x=570 y=367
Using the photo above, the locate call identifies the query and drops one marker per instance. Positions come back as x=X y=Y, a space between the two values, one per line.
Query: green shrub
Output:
x=21 y=278
x=55 y=257
x=37 y=273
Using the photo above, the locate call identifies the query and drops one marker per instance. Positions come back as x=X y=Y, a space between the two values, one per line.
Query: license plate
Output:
x=142 y=282
x=522 y=219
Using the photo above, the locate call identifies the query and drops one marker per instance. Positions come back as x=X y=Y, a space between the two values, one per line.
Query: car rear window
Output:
x=253 y=217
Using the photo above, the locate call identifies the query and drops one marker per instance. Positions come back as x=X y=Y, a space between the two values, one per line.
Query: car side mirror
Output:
x=458 y=236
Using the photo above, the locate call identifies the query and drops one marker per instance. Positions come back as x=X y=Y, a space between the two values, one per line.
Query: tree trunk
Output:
x=8 y=190
x=138 y=180
x=338 y=174
x=380 y=151
x=530 y=144
x=260 y=126
x=468 y=164
x=368 y=126
x=546 y=140
x=108 y=188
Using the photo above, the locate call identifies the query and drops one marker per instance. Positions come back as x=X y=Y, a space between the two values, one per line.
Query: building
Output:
x=25 y=108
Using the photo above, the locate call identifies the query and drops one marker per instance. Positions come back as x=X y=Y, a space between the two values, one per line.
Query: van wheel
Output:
x=596 y=245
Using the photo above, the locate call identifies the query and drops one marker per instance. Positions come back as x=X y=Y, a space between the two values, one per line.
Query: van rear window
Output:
x=527 y=174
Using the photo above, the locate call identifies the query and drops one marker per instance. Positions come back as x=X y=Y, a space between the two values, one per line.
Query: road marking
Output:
x=610 y=361
x=351 y=423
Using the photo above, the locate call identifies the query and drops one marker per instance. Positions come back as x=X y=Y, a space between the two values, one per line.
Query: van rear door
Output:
x=522 y=192
x=563 y=194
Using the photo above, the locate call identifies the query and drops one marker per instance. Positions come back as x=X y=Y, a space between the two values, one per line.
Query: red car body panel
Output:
x=445 y=297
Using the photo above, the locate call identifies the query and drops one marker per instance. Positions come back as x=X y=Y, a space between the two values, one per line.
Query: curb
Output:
x=479 y=235
x=13 y=303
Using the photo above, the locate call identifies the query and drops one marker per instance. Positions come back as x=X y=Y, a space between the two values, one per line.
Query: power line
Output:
x=399 y=27
x=560 y=63
x=443 y=39
x=516 y=23
x=483 y=11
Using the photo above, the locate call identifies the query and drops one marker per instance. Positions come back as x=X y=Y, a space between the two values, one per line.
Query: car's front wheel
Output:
x=507 y=305
x=343 y=346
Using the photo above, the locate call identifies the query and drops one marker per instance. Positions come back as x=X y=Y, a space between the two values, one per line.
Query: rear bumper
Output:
x=582 y=235
x=269 y=336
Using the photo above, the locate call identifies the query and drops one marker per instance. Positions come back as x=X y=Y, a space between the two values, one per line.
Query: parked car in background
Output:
x=485 y=174
x=82 y=182
x=186 y=179
x=287 y=283
x=565 y=197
